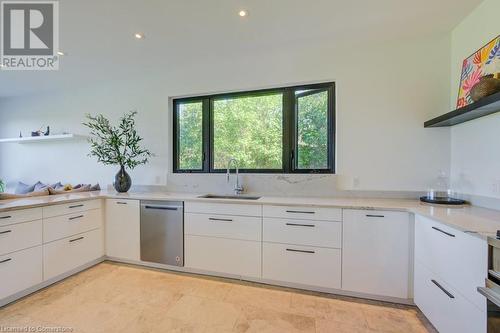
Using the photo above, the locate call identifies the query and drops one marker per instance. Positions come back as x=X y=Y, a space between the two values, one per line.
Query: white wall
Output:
x=384 y=94
x=475 y=153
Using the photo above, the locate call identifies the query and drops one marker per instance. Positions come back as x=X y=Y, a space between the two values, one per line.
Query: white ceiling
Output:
x=98 y=34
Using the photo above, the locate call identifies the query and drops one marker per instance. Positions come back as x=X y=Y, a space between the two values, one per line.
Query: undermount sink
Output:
x=239 y=197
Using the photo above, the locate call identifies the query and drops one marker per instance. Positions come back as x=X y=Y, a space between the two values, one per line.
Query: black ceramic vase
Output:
x=123 y=182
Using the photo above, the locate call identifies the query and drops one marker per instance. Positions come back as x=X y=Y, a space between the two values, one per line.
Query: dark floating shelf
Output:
x=481 y=108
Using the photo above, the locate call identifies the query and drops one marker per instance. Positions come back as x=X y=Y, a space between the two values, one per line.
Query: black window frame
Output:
x=289 y=136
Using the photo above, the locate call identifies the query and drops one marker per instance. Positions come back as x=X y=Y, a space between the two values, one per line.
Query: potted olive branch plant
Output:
x=117 y=146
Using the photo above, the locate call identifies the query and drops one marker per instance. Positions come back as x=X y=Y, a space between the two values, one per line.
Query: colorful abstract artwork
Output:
x=483 y=62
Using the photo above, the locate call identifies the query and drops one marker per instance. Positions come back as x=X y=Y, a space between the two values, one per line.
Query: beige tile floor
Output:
x=112 y=297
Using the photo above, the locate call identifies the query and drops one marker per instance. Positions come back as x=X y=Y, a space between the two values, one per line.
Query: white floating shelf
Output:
x=48 y=138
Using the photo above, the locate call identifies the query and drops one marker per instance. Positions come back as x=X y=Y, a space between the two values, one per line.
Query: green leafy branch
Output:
x=116 y=145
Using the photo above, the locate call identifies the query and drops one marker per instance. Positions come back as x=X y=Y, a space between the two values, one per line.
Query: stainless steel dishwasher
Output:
x=162 y=232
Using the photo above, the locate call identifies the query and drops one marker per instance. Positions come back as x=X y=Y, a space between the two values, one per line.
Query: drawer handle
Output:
x=442 y=289
x=5 y=232
x=76 y=206
x=5 y=260
x=5 y=217
x=300 y=212
x=301 y=225
x=121 y=203
x=223 y=220
x=161 y=207
x=373 y=215
x=444 y=232
x=76 y=239
x=75 y=217
x=301 y=251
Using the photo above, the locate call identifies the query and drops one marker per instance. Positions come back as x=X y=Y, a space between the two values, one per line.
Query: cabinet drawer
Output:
x=225 y=226
x=303 y=213
x=70 y=208
x=221 y=255
x=222 y=209
x=20 y=270
x=449 y=315
x=20 y=236
x=68 y=253
x=303 y=232
x=311 y=266
x=458 y=258
x=18 y=216
x=67 y=225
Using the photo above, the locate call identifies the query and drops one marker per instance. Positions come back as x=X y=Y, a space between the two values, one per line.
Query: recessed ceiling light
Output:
x=243 y=13
x=139 y=35
x=61 y=53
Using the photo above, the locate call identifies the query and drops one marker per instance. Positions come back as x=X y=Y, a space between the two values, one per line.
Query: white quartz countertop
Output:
x=471 y=219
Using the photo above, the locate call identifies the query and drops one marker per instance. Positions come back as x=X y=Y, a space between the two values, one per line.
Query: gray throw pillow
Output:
x=96 y=187
x=41 y=186
x=23 y=188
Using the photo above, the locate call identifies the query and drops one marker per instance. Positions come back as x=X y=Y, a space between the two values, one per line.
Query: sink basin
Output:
x=238 y=197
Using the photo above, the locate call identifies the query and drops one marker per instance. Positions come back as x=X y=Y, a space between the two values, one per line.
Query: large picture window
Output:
x=282 y=130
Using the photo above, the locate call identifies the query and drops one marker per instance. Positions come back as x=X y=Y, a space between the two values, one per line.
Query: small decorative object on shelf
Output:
x=39 y=132
x=487 y=85
x=483 y=62
x=117 y=146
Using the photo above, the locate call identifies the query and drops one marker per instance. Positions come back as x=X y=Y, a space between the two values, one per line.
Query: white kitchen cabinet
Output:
x=304 y=213
x=70 y=208
x=306 y=265
x=222 y=208
x=233 y=227
x=222 y=255
x=224 y=238
x=20 y=270
x=449 y=266
x=303 y=232
x=71 y=224
x=302 y=245
x=123 y=229
x=20 y=236
x=444 y=306
x=18 y=216
x=376 y=252
x=69 y=253
x=458 y=258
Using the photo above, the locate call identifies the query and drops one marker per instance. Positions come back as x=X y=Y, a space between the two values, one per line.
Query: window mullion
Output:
x=288 y=129
x=206 y=135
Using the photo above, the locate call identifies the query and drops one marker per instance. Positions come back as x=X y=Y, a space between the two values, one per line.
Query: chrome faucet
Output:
x=238 y=189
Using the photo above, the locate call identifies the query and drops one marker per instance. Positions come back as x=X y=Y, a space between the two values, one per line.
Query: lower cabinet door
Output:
x=444 y=306
x=68 y=253
x=376 y=252
x=20 y=270
x=123 y=229
x=230 y=256
x=306 y=265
